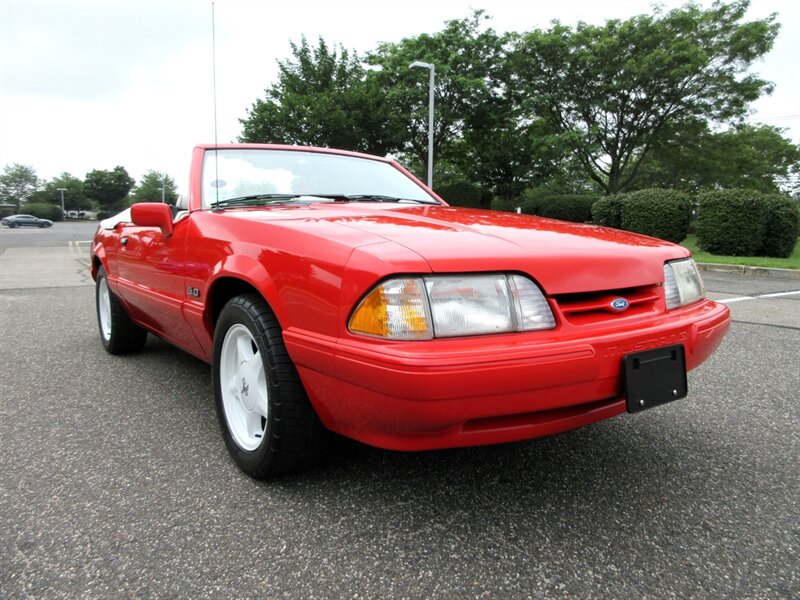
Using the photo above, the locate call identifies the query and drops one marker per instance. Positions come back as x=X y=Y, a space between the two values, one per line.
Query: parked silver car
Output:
x=26 y=221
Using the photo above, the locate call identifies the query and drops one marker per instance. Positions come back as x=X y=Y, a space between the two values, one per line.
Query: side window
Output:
x=181 y=209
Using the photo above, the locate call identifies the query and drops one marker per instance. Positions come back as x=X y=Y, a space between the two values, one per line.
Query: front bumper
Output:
x=490 y=389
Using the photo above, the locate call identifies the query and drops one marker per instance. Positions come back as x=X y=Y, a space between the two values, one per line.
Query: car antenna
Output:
x=214 y=85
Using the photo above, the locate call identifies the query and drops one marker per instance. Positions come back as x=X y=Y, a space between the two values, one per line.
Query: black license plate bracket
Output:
x=654 y=377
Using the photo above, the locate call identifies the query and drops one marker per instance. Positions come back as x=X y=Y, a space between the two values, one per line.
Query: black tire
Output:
x=292 y=436
x=14 y=225
x=118 y=333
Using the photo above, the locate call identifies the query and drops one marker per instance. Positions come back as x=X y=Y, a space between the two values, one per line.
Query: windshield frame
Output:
x=287 y=158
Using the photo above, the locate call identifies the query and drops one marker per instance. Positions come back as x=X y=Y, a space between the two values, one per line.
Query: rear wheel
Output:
x=118 y=333
x=267 y=421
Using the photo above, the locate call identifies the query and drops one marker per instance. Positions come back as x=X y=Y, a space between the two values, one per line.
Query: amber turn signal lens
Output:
x=424 y=307
x=396 y=310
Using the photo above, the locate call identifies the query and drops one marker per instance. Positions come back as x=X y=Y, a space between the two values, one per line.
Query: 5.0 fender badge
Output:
x=193 y=291
x=620 y=304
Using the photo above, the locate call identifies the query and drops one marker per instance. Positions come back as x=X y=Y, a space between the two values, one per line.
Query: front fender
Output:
x=250 y=271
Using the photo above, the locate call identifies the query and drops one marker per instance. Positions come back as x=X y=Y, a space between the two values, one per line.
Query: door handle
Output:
x=124 y=241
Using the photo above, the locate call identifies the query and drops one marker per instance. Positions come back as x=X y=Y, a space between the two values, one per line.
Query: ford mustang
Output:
x=333 y=291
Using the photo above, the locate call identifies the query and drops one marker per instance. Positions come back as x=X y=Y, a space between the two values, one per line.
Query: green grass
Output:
x=793 y=262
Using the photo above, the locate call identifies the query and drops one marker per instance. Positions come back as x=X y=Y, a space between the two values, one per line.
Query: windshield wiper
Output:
x=382 y=198
x=265 y=199
x=276 y=198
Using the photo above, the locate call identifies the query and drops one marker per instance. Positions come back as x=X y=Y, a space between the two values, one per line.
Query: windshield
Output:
x=242 y=173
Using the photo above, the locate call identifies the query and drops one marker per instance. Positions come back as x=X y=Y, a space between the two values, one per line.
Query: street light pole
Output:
x=418 y=64
x=63 y=212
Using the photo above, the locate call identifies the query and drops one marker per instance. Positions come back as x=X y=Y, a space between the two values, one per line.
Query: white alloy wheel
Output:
x=266 y=418
x=104 y=308
x=243 y=387
x=118 y=332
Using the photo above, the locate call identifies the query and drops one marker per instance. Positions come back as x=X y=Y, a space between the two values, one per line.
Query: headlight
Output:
x=682 y=283
x=421 y=308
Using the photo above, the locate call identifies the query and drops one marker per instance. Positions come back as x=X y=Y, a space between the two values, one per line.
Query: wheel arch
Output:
x=235 y=282
x=97 y=262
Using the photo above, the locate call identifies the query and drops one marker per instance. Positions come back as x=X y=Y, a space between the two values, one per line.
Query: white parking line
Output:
x=741 y=298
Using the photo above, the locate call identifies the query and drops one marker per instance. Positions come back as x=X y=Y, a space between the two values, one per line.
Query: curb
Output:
x=751 y=271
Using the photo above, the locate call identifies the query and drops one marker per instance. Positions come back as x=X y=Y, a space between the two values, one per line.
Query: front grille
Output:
x=595 y=307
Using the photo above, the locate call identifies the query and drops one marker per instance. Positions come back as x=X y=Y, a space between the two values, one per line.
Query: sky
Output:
x=95 y=84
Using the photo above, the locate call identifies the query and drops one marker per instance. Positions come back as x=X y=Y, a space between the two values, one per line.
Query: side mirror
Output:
x=152 y=214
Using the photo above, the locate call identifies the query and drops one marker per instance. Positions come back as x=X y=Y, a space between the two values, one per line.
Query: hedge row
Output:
x=465 y=194
x=566 y=207
x=658 y=213
x=731 y=222
x=608 y=212
x=574 y=207
x=782 y=228
x=747 y=223
x=43 y=211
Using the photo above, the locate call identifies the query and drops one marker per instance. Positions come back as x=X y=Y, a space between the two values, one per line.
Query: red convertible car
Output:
x=333 y=291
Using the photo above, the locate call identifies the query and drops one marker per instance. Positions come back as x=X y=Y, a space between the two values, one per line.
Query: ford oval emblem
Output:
x=619 y=304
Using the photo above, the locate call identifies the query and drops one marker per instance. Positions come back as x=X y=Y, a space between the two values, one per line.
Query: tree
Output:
x=109 y=189
x=17 y=183
x=149 y=188
x=322 y=98
x=325 y=97
x=502 y=150
x=74 y=197
x=611 y=91
x=465 y=57
x=692 y=158
x=509 y=155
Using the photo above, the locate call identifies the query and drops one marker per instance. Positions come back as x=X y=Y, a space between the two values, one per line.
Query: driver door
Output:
x=151 y=279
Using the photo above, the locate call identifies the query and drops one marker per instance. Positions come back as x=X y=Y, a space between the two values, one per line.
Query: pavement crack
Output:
x=767 y=325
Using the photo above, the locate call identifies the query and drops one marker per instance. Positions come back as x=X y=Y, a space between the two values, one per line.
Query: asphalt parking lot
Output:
x=114 y=481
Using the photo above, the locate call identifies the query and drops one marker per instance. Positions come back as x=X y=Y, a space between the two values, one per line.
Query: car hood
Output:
x=563 y=257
